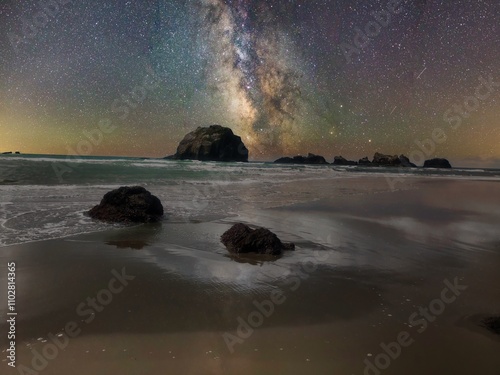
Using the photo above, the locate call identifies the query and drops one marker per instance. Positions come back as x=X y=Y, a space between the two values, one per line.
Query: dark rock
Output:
x=405 y=162
x=7 y=153
x=215 y=143
x=128 y=205
x=386 y=160
x=286 y=160
x=364 y=161
x=493 y=324
x=310 y=159
x=241 y=239
x=437 y=163
x=339 y=160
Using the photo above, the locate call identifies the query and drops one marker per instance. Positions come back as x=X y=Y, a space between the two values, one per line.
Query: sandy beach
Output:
x=168 y=299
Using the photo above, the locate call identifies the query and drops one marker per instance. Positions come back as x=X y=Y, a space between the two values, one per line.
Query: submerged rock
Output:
x=339 y=160
x=213 y=143
x=242 y=239
x=493 y=324
x=310 y=159
x=128 y=205
x=437 y=163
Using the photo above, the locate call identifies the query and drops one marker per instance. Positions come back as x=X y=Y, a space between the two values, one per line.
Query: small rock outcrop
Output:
x=241 y=239
x=310 y=159
x=128 y=205
x=386 y=160
x=213 y=143
x=364 y=161
x=339 y=160
x=437 y=163
x=405 y=162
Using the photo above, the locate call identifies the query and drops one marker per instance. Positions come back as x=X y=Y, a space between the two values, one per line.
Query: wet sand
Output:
x=364 y=264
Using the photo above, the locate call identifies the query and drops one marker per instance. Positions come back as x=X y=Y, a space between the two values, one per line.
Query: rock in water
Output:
x=310 y=159
x=215 y=143
x=128 y=205
x=437 y=163
x=386 y=160
x=339 y=160
x=364 y=161
x=405 y=162
x=241 y=239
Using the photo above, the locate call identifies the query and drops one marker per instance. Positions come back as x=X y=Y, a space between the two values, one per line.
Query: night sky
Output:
x=332 y=77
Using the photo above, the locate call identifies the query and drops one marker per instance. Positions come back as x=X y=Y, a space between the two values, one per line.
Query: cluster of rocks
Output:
x=379 y=160
x=216 y=143
x=134 y=204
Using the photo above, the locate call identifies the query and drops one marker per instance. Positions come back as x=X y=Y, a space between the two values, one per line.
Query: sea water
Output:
x=44 y=197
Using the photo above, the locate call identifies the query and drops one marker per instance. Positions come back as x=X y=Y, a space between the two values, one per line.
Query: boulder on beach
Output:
x=241 y=239
x=493 y=324
x=128 y=205
x=213 y=143
x=437 y=163
x=309 y=159
x=339 y=160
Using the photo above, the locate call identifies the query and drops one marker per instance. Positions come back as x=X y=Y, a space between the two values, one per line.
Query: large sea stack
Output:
x=213 y=143
x=128 y=205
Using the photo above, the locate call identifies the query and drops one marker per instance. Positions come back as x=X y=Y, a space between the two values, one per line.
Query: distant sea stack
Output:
x=309 y=159
x=381 y=160
x=339 y=160
x=213 y=143
x=437 y=163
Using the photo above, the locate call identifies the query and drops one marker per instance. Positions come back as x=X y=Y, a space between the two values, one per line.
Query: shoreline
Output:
x=363 y=264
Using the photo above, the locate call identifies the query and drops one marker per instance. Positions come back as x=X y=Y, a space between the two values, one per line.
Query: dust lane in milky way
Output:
x=251 y=67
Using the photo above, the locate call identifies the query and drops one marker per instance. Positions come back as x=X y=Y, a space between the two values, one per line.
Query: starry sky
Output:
x=332 y=77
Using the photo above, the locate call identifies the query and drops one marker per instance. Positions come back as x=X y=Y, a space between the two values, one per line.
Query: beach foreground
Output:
x=167 y=298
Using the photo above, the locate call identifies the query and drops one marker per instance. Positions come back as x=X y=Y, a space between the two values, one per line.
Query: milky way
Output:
x=250 y=65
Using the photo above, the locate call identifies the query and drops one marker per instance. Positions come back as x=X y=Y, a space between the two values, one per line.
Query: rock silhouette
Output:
x=213 y=143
